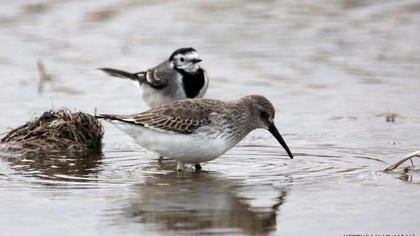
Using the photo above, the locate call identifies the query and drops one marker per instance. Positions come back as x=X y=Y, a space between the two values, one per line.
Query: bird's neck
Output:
x=192 y=82
x=242 y=121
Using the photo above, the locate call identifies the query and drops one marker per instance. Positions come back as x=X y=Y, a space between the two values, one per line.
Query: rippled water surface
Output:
x=335 y=70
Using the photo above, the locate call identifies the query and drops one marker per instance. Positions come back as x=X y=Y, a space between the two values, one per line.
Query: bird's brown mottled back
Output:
x=182 y=116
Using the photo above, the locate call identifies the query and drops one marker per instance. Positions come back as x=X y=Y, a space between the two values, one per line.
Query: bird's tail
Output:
x=106 y=117
x=122 y=74
x=110 y=117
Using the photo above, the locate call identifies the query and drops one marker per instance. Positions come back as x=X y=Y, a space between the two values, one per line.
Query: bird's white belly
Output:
x=187 y=148
x=157 y=97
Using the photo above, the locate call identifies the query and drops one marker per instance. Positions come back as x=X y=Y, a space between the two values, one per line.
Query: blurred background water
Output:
x=333 y=69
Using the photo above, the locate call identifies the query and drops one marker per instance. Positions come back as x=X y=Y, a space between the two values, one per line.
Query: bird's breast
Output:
x=157 y=97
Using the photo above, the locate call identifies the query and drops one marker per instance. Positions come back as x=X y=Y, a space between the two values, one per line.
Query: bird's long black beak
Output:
x=273 y=130
x=196 y=60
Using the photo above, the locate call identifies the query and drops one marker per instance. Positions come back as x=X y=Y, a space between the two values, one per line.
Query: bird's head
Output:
x=185 y=59
x=263 y=116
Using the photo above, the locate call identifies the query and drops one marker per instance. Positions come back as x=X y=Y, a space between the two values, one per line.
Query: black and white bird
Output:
x=177 y=78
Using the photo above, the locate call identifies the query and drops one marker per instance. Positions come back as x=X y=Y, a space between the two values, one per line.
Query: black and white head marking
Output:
x=186 y=60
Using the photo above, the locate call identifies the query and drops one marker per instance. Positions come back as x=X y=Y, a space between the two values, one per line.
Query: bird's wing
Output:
x=154 y=78
x=158 y=77
x=180 y=117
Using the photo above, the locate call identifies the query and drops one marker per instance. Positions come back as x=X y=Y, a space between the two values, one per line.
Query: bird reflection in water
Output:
x=205 y=202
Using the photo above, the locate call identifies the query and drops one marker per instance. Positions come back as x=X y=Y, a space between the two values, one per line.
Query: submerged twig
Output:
x=408 y=157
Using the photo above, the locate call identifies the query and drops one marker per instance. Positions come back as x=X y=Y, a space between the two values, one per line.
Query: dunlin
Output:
x=192 y=131
x=179 y=77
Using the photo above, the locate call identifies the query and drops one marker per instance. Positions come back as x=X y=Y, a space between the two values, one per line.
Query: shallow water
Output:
x=334 y=71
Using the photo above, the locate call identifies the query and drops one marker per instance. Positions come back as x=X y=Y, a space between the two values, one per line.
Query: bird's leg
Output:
x=197 y=167
x=180 y=166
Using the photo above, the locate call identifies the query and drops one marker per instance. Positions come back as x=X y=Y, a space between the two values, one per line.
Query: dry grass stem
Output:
x=44 y=76
x=408 y=157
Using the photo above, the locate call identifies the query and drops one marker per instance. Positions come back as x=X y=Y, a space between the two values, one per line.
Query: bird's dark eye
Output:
x=264 y=115
x=182 y=59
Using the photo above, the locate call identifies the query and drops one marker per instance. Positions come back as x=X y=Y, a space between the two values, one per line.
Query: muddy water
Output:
x=334 y=71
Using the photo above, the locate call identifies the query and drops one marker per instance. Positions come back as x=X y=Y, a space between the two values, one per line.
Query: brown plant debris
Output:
x=406 y=158
x=56 y=130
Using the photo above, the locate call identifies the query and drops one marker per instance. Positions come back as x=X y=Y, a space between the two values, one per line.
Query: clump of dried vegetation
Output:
x=56 y=131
